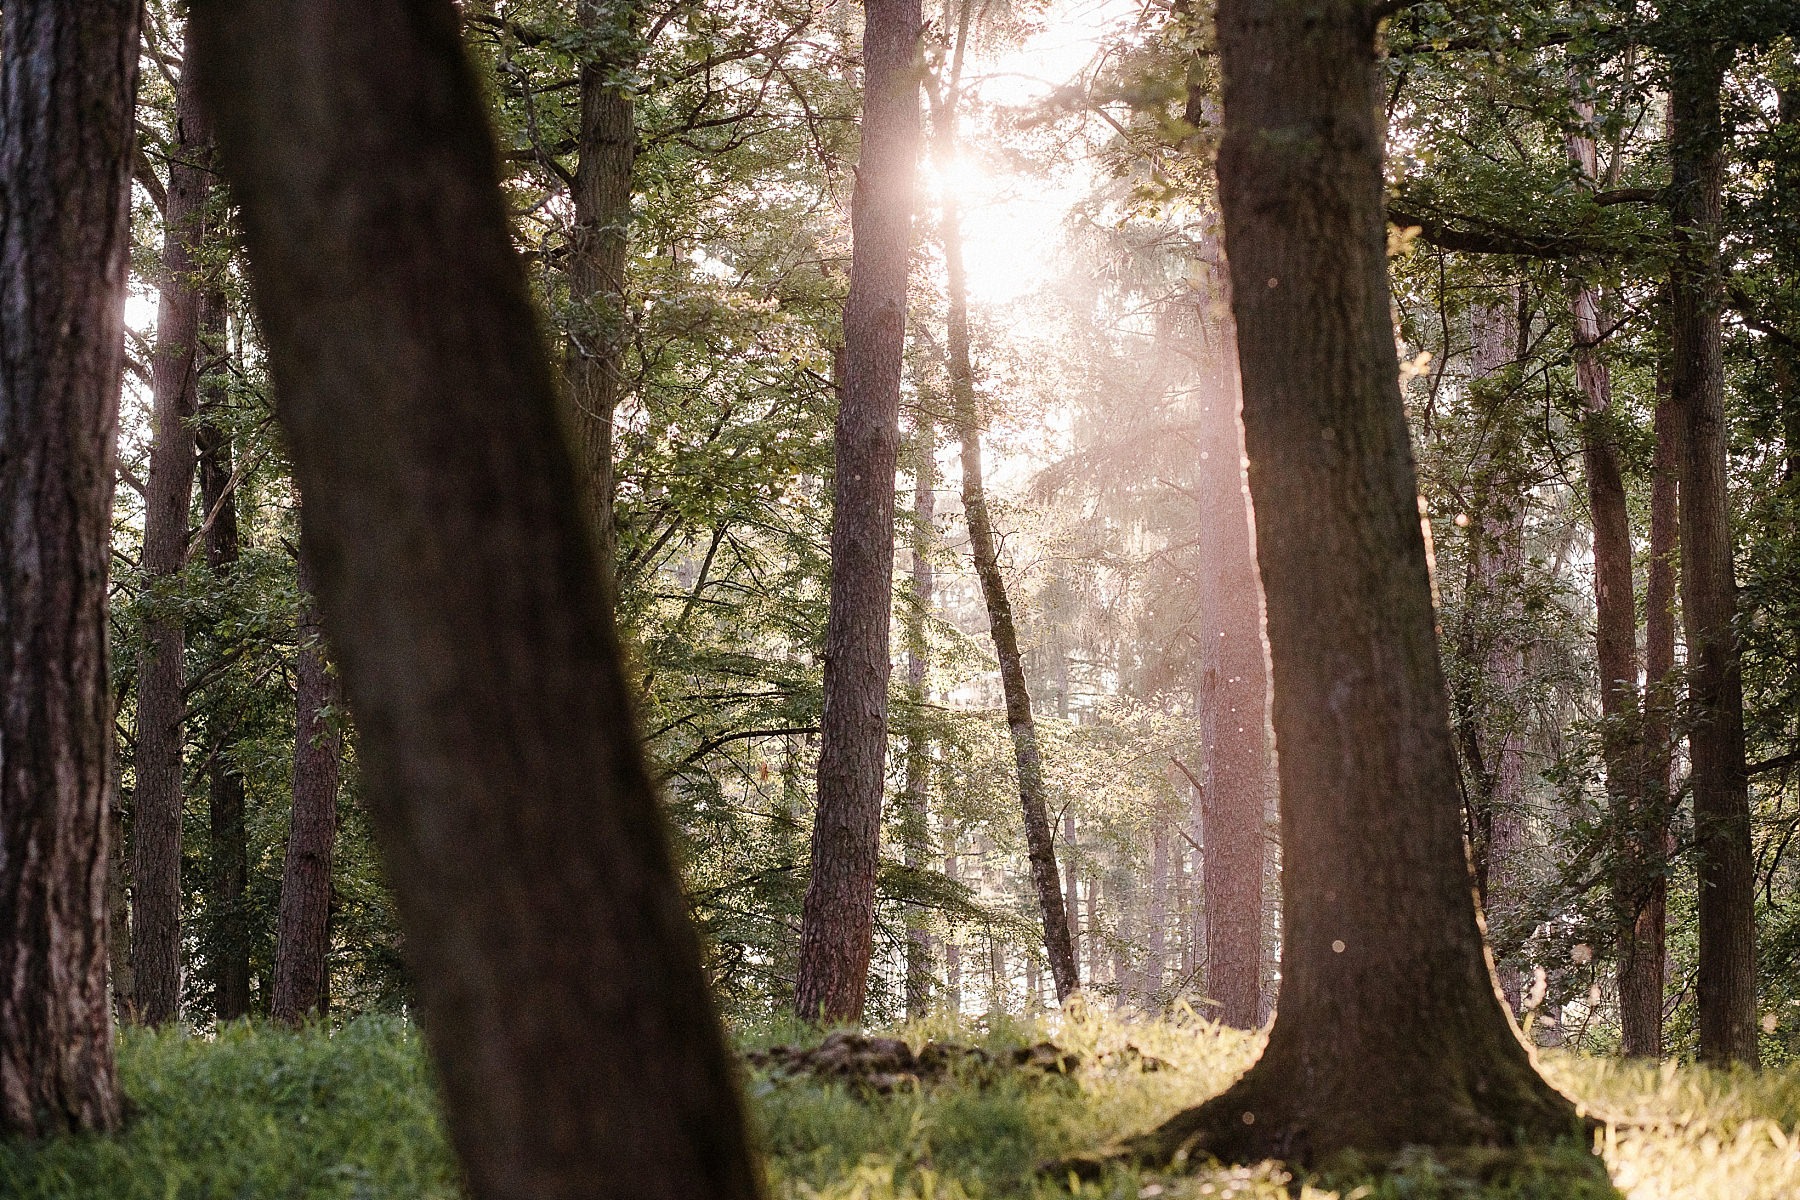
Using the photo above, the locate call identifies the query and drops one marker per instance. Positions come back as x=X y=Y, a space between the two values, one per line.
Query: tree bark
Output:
x=160 y=797
x=228 y=851
x=838 y=915
x=68 y=78
x=558 y=974
x=1389 y=1031
x=606 y=151
x=303 y=924
x=1232 y=694
x=1071 y=895
x=915 y=801
x=1726 y=981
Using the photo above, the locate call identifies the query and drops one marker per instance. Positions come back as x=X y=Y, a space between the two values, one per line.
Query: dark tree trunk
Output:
x=160 y=798
x=1233 y=701
x=838 y=916
x=228 y=851
x=558 y=974
x=303 y=926
x=1039 y=841
x=68 y=77
x=1644 y=944
x=1726 y=982
x=606 y=151
x=915 y=801
x=1389 y=1031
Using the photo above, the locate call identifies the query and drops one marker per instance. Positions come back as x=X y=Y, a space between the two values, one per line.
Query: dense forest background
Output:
x=679 y=178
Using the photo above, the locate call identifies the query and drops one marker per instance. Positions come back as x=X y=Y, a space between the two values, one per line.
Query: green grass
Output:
x=260 y=1112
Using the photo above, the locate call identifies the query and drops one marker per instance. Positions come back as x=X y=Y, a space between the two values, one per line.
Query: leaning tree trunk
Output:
x=606 y=150
x=915 y=833
x=1726 y=980
x=1389 y=1031
x=68 y=77
x=1232 y=690
x=837 y=923
x=1040 y=843
x=228 y=853
x=303 y=924
x=558 y=973
x=160 y=797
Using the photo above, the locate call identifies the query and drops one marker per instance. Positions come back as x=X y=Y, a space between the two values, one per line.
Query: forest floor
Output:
x=259 y=1112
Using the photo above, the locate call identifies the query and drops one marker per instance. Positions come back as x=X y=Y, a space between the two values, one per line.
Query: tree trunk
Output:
x=915 y=802
x=68 y=77
x=1644 y=945
x=1157 y=913
x=1233 y=696
x=303 y=925
x=1071 y=896
x=1493 y=739
x=1726 y=981
x=1389 y=1031
x=159 y=799
x=228 y=850
x=1039 y=842
x=558 y=973
x=606 y=151
x=953 y=948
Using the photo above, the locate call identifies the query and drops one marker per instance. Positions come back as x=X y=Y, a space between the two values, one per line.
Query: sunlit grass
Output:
x=262 y=1112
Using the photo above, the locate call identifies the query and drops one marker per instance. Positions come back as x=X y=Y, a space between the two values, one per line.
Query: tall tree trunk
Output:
x=1624 y=740
x=1071 y=895
x=228 y=850
x=606 y=151
x=1726 y=983
x=838 y=916
x=1643 y=950
x=953 y=948
x=1389 y=1032
x=1493 y=739
x=915 y=801
x=160 y=798
x=1039 y=841
x=558 y=973
x=1233 y=698
x=68 y=78
x=303 y=925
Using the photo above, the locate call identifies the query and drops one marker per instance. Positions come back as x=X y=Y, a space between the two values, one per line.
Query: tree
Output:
x=557 y=971
x=161 y=793
x=1020 y=724
x=837 y=919
x=68 y=77
x=1726 y=983
x=303 y=927
x=1389 y=1031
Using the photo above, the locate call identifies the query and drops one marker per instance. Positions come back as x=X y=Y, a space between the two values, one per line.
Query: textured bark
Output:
x=1389 y=1031
x=1040 y=842
x=68 y=76
x=838 y=916
x=558 y=974
x=1726 y=979
x=915 y=800
x=228 y=851
x=1232 y=693
x=303 y=925
x=606 y=150
x=160 y=797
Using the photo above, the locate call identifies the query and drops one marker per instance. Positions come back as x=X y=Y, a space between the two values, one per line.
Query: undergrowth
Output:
x=260 y=1112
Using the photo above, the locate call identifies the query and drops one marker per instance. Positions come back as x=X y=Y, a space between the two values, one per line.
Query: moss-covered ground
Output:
x=259 y=1112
